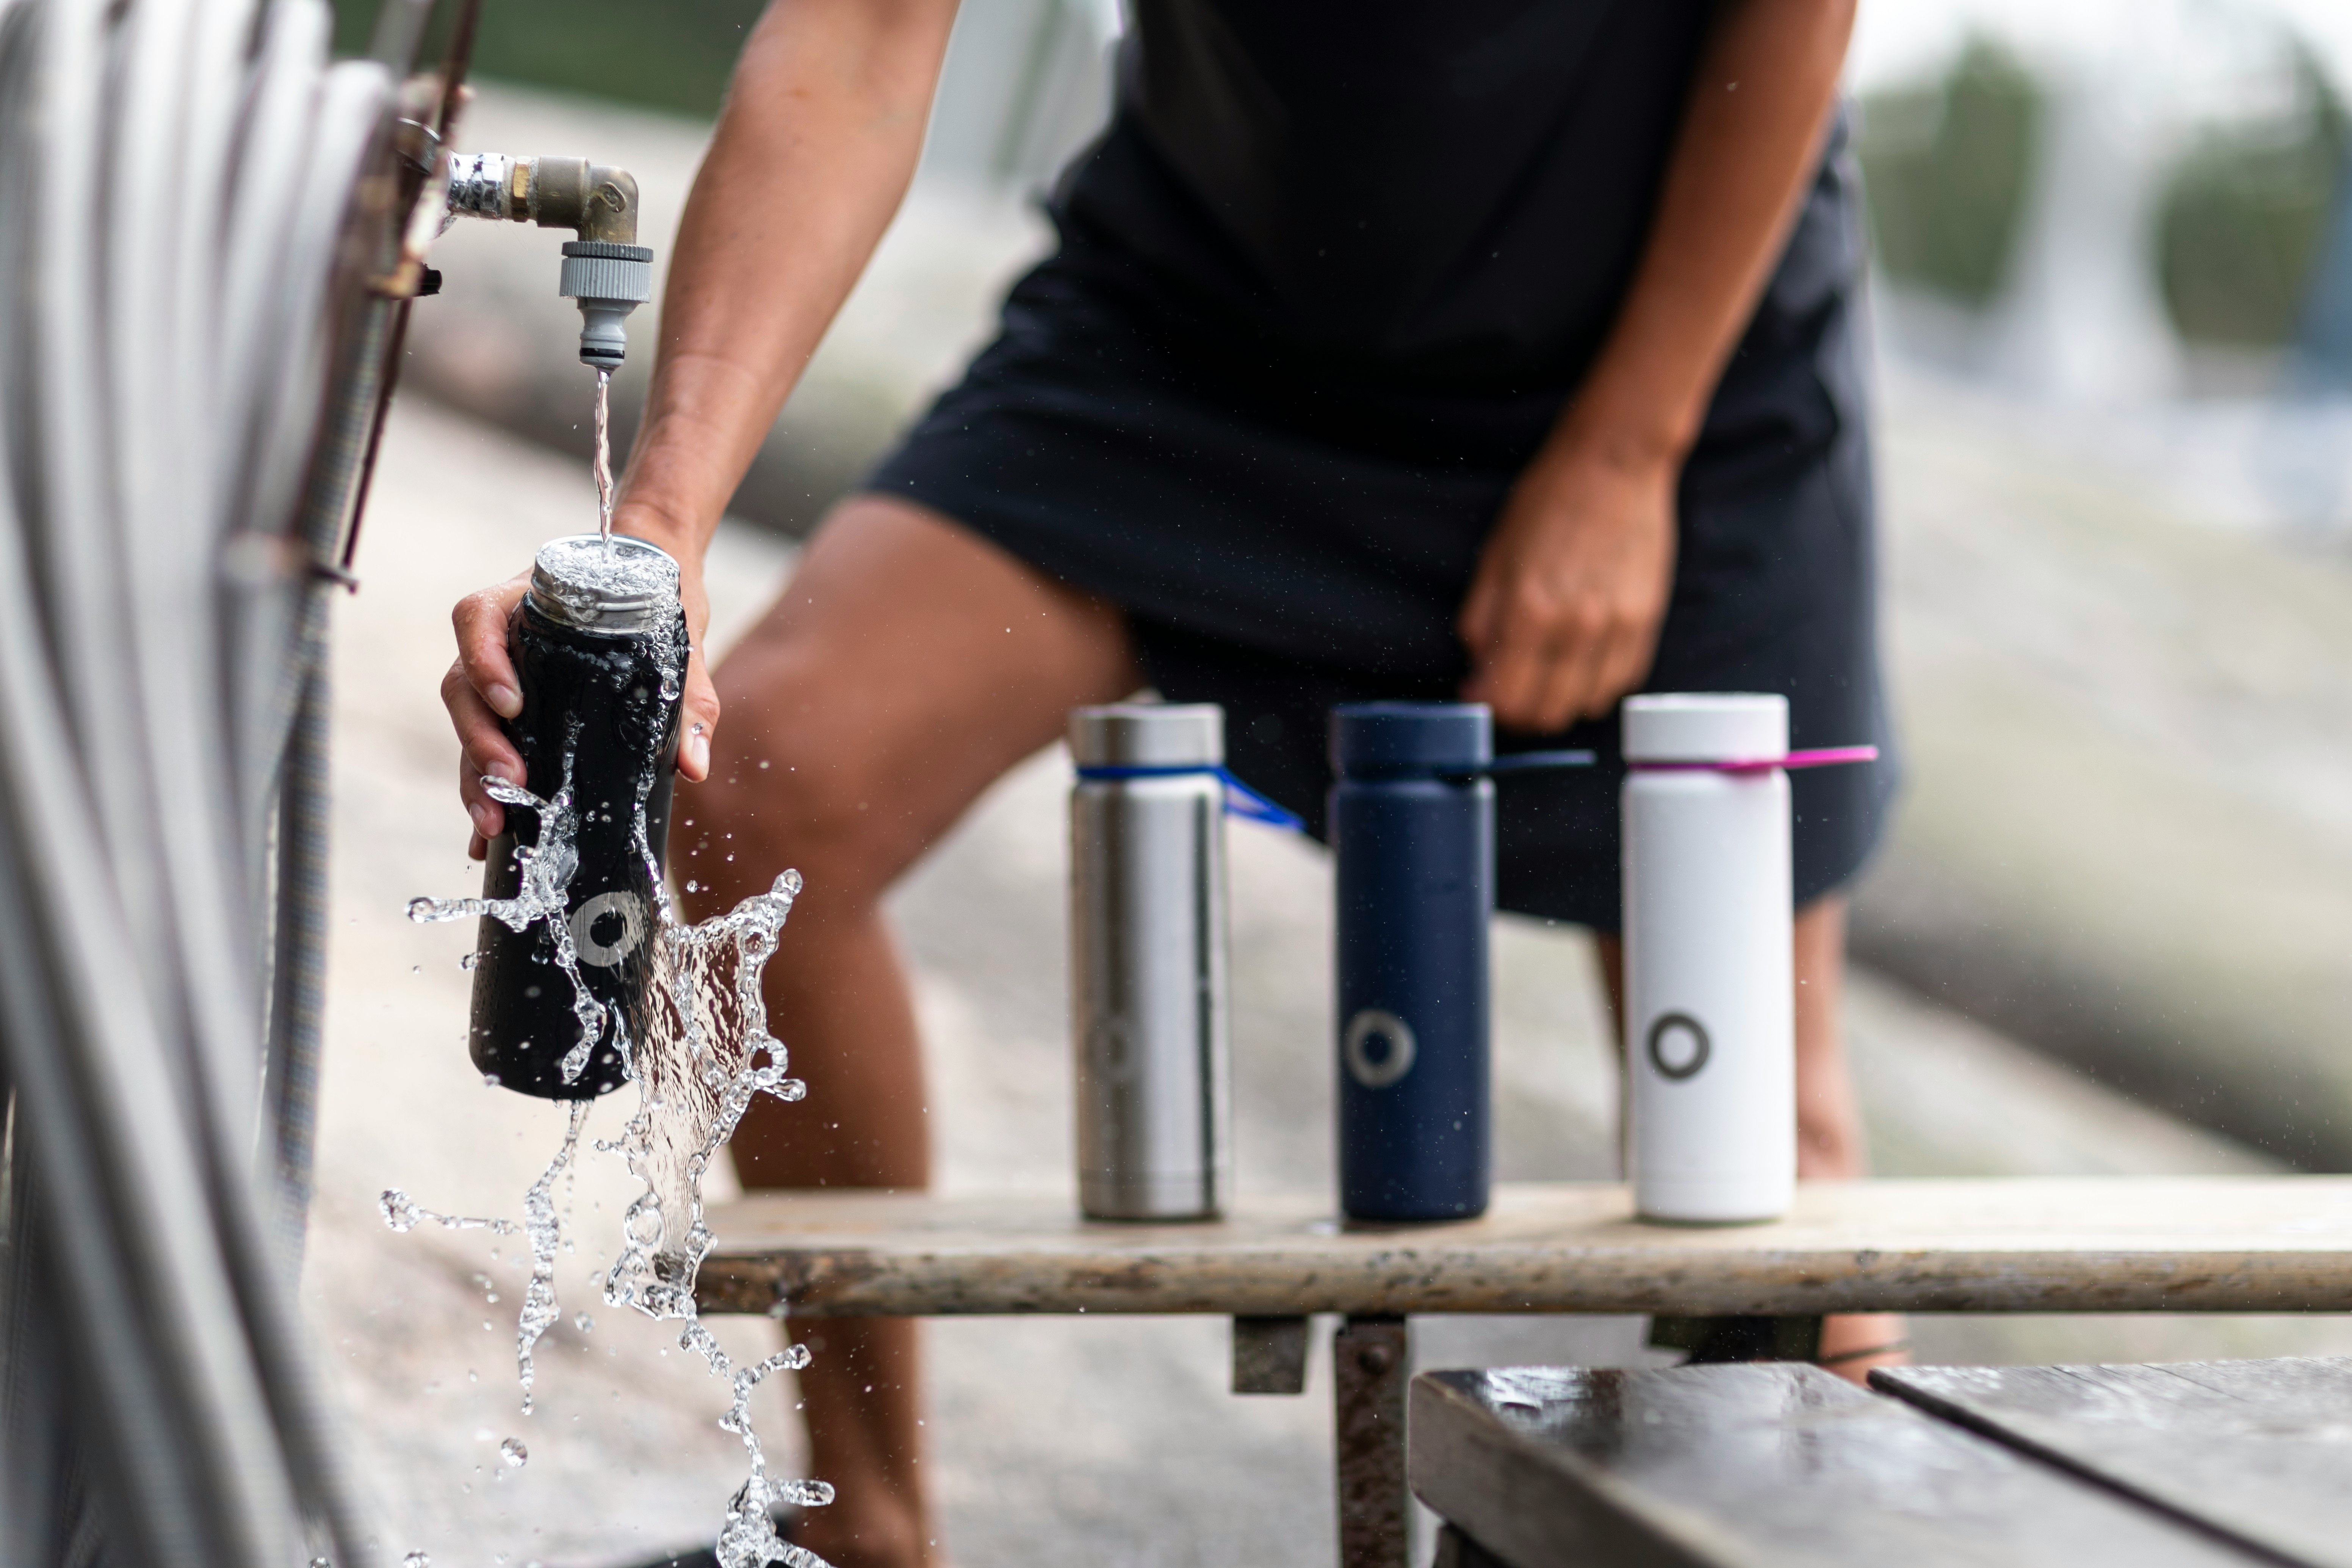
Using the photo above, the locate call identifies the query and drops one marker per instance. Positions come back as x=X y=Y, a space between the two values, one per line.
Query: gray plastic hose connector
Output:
x=609 y=281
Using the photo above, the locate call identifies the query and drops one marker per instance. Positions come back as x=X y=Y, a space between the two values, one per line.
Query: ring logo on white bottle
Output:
x=1378 y=1048
x=1678 y=1047
x=627 y=909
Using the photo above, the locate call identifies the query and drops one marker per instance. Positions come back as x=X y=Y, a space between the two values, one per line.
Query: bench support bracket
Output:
x=1370 y=1364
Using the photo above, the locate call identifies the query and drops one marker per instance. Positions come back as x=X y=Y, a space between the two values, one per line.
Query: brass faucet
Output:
x=606 y=270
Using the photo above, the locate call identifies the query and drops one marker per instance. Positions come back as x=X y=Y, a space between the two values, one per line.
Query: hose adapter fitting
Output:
x=608 y=281
x=605 y=271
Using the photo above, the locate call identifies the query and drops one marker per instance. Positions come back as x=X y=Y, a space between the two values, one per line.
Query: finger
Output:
x=1512 y=676
x=1476 y=625
x=1570 y=673
x=478 y=848
x=480 y=621
x=699 y=721
x=1625 y=667
x=483 y=748
x=488 y=816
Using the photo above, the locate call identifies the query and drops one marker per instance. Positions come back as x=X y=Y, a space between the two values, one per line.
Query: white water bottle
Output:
x=1710 y=996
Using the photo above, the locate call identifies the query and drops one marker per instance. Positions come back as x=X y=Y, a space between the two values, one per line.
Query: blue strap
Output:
x=1240 y=799
x=1529 y=761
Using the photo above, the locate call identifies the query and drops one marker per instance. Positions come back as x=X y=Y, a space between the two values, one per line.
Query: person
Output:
x=1504 y=351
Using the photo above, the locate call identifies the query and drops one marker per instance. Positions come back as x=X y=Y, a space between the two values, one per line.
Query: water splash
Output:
x=698 y=1073
x=603 y=465
x=546 y=870
x=749 y=1537
x=706 y=1056
x=540 y=1308
x=402 y=1213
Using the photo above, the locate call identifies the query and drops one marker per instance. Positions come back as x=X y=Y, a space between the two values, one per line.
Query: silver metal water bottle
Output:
x=1149 y=1017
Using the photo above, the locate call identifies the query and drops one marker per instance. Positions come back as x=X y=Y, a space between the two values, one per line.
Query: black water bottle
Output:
x=600 y=644
x=1412 y=835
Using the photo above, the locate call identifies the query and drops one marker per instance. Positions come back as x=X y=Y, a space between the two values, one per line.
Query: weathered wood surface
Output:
x=2226 y=1244
x=2260 y=1449
x=1755 y=1466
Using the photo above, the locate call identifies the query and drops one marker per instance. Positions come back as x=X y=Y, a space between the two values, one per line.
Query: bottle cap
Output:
x=1706 y=727
x=1149 y=735
x=1370 y=739
x=622 y=584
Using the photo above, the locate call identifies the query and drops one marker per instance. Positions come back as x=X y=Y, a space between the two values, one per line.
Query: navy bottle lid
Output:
x=1391 y=740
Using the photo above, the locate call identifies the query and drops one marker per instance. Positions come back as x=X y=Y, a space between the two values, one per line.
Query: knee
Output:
x=793 y=783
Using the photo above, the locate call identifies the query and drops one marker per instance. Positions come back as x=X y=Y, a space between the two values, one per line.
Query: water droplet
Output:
x=398 y=1210
x=422 y=909
x=514 y=1454
x=467 y=961
x=415 y=969
x=489 y=1080
x=692 y=886
x=583 y=1322
x=416 y=1560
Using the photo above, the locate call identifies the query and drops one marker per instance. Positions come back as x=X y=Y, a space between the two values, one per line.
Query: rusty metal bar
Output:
x=1370 y=1363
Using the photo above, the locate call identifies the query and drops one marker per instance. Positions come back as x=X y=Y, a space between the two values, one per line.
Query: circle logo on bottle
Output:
x=1678 y=1045
x=1111 y=1053
x=604 y=909
x=1378 y=1048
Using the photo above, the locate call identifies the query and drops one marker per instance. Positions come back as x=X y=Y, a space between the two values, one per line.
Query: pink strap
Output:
x=1819 y=757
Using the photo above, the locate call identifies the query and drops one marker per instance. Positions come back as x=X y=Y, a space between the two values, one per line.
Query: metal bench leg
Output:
x=1370 y=1365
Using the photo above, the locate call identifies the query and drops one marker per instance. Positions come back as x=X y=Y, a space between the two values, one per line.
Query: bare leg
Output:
x=905 y=667
x=1830 y=1141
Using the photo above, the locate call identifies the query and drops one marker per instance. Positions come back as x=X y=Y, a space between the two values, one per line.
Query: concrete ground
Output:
x=1056 y=1441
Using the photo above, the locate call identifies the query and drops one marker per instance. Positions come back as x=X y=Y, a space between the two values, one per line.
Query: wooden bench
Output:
x=2253 y=1244
x=1760 y=1466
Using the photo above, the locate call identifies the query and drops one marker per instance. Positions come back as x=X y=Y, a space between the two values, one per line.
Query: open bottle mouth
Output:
x=595 y=585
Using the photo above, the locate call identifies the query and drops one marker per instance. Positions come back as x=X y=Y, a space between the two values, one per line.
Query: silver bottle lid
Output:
x=619 y=585
x=1149 y=735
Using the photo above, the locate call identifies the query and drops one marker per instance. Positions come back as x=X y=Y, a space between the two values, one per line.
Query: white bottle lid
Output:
x=1706 y=727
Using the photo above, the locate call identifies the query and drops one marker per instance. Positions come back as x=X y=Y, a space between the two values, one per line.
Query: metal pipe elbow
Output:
x=595 y=201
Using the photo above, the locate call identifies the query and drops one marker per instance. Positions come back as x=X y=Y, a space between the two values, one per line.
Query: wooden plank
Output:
x=1762 y=1465
x=2221 y=1243
x=2260 y=1449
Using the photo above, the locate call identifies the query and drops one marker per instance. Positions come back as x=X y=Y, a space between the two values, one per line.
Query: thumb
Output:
x=698 y=722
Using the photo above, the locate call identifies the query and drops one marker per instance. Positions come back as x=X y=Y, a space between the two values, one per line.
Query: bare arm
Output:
x=813 y=150
x=1562 y=619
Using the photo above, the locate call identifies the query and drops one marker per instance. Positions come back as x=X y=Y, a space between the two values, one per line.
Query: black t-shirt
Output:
x=1446 y=193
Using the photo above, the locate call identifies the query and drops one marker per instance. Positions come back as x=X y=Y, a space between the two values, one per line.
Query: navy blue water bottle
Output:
x=1413 y=830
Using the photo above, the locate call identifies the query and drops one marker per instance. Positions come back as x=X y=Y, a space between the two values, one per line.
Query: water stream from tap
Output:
x=705 y=1054
x=603 y=466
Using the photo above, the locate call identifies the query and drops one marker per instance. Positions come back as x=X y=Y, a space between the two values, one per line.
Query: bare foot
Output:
x=1854 y=1342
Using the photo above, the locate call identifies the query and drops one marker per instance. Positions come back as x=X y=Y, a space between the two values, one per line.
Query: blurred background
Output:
x=2112 y=931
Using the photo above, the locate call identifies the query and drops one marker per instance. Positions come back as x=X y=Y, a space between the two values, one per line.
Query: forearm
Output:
x=1750 y=137
x=813 y=153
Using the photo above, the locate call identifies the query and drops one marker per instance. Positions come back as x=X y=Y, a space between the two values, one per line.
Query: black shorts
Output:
x=1279 y=545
